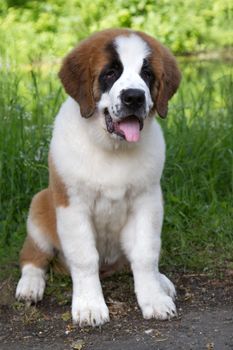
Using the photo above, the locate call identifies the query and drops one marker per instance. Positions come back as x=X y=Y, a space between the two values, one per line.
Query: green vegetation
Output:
x=28 y=104
x=198 y=177
x=44 y=30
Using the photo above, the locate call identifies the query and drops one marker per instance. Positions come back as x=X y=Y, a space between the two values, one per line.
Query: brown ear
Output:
x=75 y=75
x=168 y=84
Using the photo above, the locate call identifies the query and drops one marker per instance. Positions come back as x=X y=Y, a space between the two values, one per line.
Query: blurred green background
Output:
x=47 y=29
x=198 y=177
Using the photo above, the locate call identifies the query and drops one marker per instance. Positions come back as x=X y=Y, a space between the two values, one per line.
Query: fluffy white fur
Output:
x=115 y=202
x=31 y=284
x=132 y=50
x=115 y=208
x=39 y=237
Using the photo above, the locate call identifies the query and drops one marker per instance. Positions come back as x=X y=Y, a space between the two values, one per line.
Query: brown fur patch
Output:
x=166 y=72
x=31 y=254
x=82 y=66
x=42 y=213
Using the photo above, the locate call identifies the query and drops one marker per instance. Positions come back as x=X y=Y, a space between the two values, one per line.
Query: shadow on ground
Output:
x=205 y=318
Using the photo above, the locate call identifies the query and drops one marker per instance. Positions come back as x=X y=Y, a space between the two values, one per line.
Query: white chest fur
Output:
x=104 y=182
x=109 y=217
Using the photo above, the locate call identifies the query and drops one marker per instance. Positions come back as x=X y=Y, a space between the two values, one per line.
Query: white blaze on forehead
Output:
x=132 y=50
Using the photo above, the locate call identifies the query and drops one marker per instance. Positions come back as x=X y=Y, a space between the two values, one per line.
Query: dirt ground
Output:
x=205 y=318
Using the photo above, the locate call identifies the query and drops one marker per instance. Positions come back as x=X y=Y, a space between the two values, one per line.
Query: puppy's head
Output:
x=120 y=77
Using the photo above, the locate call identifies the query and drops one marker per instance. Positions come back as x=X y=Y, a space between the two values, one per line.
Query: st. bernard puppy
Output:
x=104 y=203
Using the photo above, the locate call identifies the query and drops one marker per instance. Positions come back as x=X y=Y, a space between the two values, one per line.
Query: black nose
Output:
x=133 y=98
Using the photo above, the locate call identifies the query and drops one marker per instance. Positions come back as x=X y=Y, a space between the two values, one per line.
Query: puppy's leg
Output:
x=31 y=285
x=78 y=243
x=37 y=250
x=141 y=242
x=167 y=286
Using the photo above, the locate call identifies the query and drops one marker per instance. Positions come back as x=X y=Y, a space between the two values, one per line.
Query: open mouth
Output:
x=128 y=128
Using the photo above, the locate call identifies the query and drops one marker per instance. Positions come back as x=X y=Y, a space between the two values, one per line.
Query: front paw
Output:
x=89 y=313
x=159 y=306
x=31 y=285
x=167 y=286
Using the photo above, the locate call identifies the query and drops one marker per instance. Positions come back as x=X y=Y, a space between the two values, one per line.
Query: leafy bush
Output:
x=50 y=28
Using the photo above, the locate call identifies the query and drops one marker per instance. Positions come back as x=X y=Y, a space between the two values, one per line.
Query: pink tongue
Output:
x=131 y=129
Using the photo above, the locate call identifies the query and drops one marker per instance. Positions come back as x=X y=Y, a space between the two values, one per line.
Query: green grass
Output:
x=28 y=103
x=197 y=181
x=198 y=177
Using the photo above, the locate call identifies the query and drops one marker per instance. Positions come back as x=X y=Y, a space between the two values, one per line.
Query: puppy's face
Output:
x=126 y=84
x=119 y=78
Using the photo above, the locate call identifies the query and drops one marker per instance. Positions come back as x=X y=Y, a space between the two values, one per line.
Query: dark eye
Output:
x=147 y=73
x=111 y=73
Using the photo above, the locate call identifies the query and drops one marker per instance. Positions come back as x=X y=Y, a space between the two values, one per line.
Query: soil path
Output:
x=205 y=319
